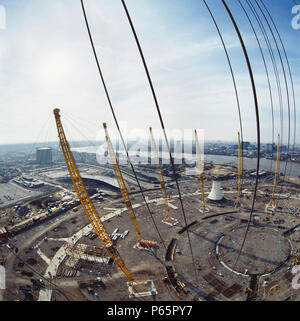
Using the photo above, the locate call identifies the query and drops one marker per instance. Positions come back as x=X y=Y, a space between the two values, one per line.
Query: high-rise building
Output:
x=44 y=156
x=270 y=147
x=245 y=145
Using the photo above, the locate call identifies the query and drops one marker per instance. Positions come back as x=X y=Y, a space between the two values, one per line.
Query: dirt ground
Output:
x=201 y=272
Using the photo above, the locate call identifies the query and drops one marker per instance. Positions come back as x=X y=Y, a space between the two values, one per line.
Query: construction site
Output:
x=110 y=248
x=75 y=229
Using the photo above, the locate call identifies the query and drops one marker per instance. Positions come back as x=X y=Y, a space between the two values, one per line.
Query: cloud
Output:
x=46 y=61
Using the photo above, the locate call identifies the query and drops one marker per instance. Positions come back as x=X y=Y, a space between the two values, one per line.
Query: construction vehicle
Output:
x=203 y=208
x=271 y=206
x=248 y=291
x=167 y=279
x=237 y=202
x=124 y=191
x=3 y=235
x=36 y=216
x=150 y=244
x=167 y=219
x=177 y=284
x=85 y=200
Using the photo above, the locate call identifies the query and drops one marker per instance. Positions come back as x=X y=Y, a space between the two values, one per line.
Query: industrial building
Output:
x=44 y=156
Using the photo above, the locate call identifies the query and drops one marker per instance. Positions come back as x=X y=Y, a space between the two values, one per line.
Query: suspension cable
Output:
x=285 y=80
x=257 y=122
x=272 y=56
x=267 y=73
x=116 y=121
x=290 y=74
x=231 y=71
x=162 y=126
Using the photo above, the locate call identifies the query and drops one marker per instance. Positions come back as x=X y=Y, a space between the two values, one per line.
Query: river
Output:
x=293 y=169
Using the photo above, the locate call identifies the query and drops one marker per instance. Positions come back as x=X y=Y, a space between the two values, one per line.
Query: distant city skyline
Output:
x=46 y=62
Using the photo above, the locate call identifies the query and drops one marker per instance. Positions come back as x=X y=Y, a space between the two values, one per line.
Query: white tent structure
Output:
x=216 y=193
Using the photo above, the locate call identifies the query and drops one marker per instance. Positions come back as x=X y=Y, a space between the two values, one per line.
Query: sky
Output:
x=46 y=61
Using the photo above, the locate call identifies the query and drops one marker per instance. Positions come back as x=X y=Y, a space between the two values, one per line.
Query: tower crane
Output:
x=271 y=206
x=204 y=208
x=124 y=192
x=238 y=199
x=85 y=200
x=168 y=219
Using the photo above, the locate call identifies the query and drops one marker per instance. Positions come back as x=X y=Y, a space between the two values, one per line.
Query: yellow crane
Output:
x=204 y=207
x=123 y=190
x=271 y=206
x=238 y=200
x=168 y=219
x=86 y=201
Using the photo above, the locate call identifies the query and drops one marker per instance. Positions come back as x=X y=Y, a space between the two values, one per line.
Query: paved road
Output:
x=26 y=239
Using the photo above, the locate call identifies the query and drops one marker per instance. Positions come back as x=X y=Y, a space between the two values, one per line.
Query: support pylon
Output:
x=167 y=219
x=271 y=206
x=203 y=208
x=237 y=202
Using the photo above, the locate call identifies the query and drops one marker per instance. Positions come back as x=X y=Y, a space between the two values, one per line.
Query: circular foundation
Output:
x=264 y=252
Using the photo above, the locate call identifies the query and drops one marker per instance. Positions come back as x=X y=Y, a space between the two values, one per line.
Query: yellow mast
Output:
x=271 y=205
x=238 y=200
x=85 y=200
x=203 y=208
x=121 y=182
x=167 y=217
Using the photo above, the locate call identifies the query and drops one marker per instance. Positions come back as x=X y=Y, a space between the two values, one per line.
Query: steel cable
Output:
x=286 y=84
x=116 y=121
x=267 y=73
x=257 y=122
x=273 y=60
x=162 y=126
x=290 y=74
x=231 y=72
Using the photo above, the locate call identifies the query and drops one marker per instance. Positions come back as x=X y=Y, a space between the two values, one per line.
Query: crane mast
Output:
x=270 y=207
x=121 y=182
x=167 y=219
x=85 y=200
x=238 y=200
x=204 y=207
